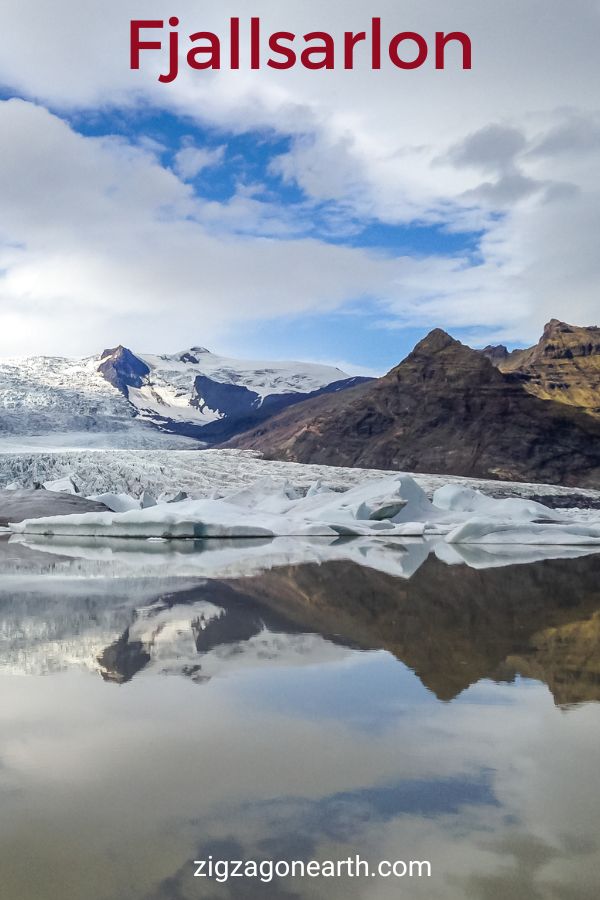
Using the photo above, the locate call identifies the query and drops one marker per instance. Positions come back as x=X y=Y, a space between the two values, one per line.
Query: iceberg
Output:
x=394 y=505
x=480 y=530
x=391 y=506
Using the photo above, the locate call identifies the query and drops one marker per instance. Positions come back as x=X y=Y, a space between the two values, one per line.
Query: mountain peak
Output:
x=436 y=341
x=496 y=353
x=555 y=326
x=114 y=351
x=192 y=355
x=121 y=368
x=445 y=408
x=564 y=365
x=562 y=340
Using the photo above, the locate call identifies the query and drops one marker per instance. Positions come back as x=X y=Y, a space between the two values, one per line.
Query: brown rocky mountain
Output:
x=445 y=409
x=563 y=366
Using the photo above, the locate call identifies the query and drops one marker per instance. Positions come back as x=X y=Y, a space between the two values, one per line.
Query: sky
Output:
x=321 y=215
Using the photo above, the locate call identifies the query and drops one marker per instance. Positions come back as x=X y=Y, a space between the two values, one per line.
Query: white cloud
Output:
x=191 y=160
x=99 y=242
x=511 y=147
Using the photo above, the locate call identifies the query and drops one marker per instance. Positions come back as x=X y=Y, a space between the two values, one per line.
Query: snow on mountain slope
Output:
x=67 y=403
x=122 y=400
x=198 y=388
x=260 y=377
x=49 y=393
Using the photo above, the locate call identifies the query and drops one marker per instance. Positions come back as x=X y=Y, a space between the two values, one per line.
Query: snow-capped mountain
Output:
x=123 y=399
x=67 y=403
x=196 y=389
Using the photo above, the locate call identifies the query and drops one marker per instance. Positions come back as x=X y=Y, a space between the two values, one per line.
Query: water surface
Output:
x=309 y=711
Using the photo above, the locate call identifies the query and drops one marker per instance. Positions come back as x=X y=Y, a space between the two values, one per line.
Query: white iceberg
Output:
x=480 y=530
x=117 y=502
x=62 y=485
x=266 y=509
x=391 y=506
x=459 y=498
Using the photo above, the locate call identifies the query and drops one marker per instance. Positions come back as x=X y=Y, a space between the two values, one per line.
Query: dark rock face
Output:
x=233 y=400
x=446 y=409
x=496 y=355
x=122 y=369
x=242 y=409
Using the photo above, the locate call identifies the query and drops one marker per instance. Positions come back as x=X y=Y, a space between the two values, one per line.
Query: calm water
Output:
x=306 y=712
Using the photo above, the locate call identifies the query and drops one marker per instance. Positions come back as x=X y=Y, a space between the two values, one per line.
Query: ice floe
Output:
x=479 y=530
x=62 y=485
x=390 y=506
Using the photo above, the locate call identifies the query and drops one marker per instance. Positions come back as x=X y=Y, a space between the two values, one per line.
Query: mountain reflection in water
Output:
x=400 y=709
x=452 y=625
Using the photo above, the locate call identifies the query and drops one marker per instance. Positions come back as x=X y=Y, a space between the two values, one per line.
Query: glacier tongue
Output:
x=122 y=399
x=67 y=404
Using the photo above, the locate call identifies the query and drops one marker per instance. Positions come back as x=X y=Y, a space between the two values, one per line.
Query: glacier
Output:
x=50 y=402
x=204 y=474
x=119 y=399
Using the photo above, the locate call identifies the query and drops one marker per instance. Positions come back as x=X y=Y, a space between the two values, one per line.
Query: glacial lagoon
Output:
x=159 y=707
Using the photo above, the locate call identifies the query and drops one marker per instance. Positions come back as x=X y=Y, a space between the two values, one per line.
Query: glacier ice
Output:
x=393 y=505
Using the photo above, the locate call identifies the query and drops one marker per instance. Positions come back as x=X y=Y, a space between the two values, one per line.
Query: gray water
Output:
x=307 y=712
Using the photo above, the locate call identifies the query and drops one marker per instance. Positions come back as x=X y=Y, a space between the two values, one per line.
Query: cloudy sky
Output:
x=328 y=215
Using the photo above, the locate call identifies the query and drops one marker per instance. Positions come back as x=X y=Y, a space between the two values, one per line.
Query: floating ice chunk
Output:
x=391 y=506
x=188 y=519
x=179 y=496
x=387 y=510
x=316 y=529
x=405 y=529
x=494 y=531
x=268 y=495
x=117 y=502
x=458 y=498
x=62 y=485
x=379 y=511
x=147 y=500
x=318 y=488
x=249 y=513
x=398 y=495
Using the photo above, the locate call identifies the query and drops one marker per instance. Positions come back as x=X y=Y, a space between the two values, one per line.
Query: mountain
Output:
x=58 y=401
x=212 y=397
x=452 y=625
x=121 y=398
x=444 y=409
x=563 y=366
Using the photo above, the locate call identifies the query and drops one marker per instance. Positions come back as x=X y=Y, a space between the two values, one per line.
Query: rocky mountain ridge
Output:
x=444 y=409
x=563 y=366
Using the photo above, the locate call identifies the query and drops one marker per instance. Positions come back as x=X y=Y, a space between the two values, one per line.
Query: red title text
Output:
x=248 y=45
